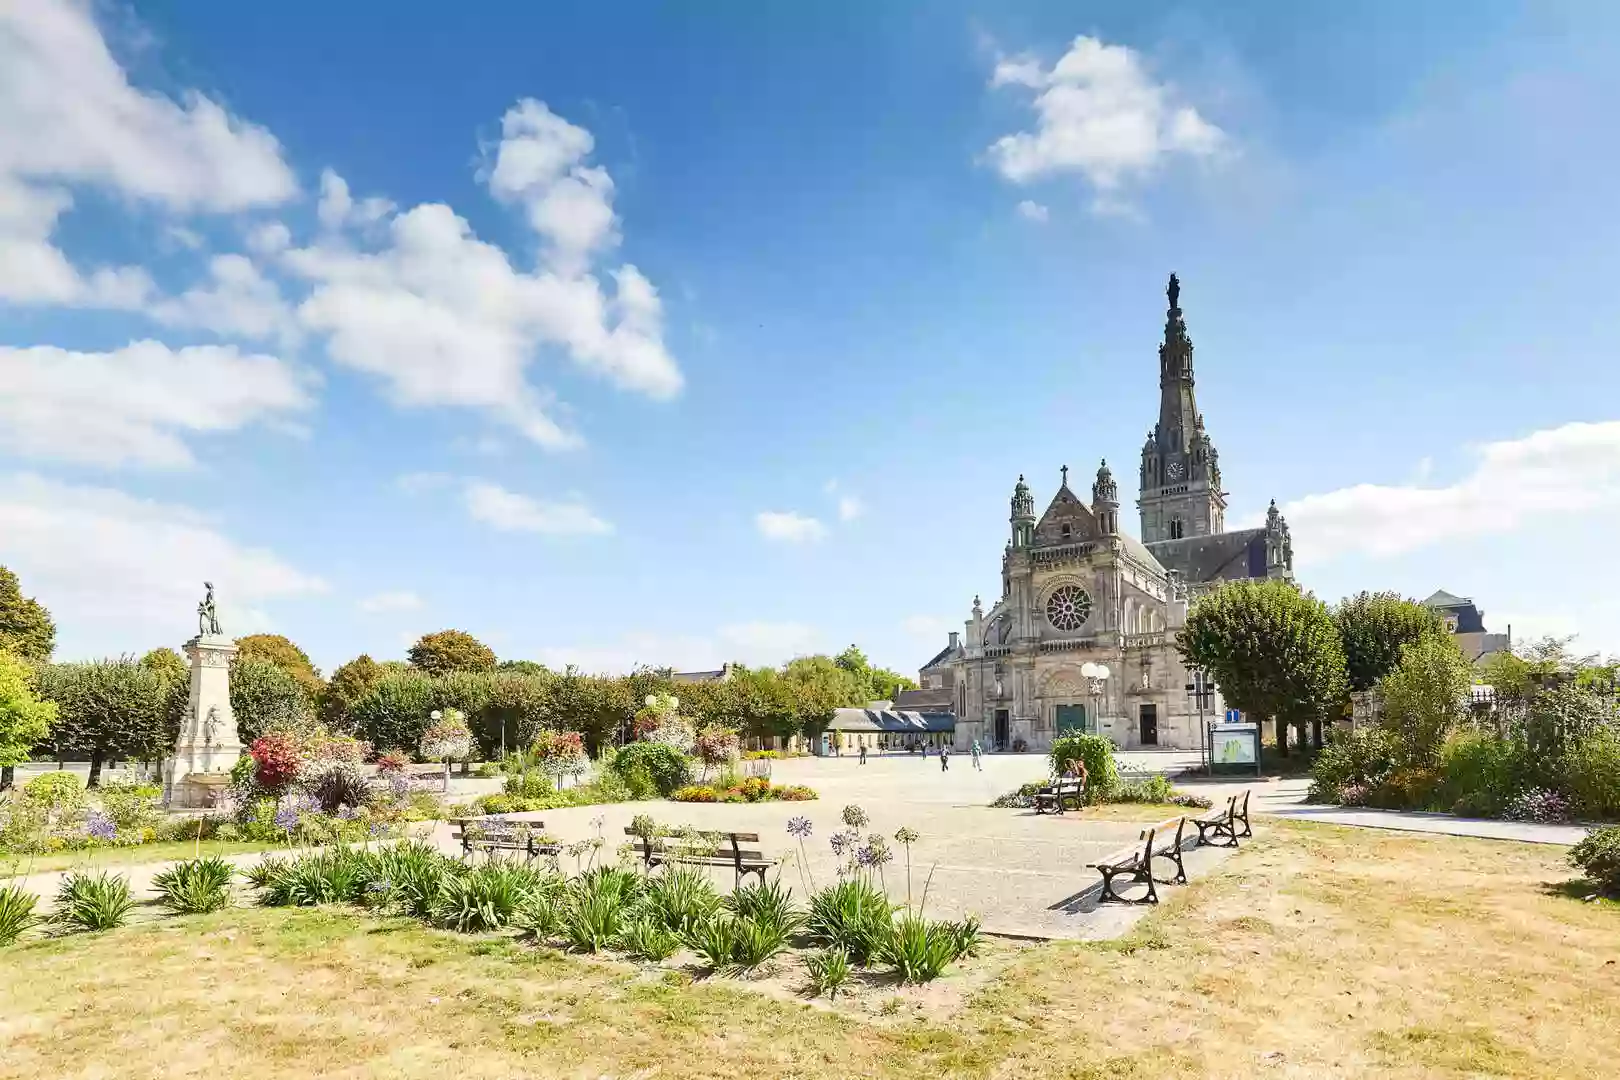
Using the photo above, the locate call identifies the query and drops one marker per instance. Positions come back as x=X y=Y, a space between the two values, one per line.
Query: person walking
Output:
x=978 y=754
x=863 y=752
x=945 y=758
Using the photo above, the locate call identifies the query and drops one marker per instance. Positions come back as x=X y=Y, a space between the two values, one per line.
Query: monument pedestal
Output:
x=196 y=776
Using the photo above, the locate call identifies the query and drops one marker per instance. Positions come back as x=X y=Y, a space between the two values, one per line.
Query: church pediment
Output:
x=1066 y=521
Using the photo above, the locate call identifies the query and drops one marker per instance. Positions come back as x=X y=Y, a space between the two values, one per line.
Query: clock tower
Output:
x=1181 y=473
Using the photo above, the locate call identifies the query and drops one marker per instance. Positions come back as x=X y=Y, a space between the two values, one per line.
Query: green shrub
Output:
x=1479 y=774
x=852 y=915
x=828 y=970
x=196 y=886
x=16 y=912
x=1365 y=757
x=757 y=942
x=56 y=792
x=93 y=901
x=1151 y=789
x=1592 y=774
x=667 y=767
x=1102 y=773
x=715 y=942
x=1414 y=788
x=1598 y=856
x=594 y=915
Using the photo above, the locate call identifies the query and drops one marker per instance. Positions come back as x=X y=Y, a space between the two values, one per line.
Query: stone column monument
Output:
x=200 y=770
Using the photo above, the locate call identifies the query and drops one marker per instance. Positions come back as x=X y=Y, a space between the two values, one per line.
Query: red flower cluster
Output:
x=276 y=758
x=392 y=762
x=550 y=745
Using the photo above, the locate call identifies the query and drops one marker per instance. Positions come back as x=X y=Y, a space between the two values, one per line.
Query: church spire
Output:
x=1181 y=493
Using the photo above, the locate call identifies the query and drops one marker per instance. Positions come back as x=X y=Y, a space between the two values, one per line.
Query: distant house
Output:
x=1467 y=625
x=722 y=675
x=885 y=729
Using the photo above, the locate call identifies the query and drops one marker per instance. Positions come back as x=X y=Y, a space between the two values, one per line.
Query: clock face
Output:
x=1174 y=470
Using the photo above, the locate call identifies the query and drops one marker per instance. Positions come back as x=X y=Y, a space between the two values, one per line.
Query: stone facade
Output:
x=1076 y=590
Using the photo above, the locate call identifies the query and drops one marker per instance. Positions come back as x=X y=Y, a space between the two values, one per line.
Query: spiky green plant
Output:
x=828 y=970
x=853 y=915
x=768 y=903
x=488 y=898
x=648 y=938
x=681 y=898
x=715 y=943
x=595 y=910
x=917 y=949
x=16 y=912
x=93 y=900
x=196 y=886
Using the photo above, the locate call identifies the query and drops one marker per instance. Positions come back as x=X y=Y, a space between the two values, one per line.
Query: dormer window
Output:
x=1067 y=531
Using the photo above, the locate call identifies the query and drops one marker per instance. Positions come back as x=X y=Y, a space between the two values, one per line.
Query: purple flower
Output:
x=854 y=817
x=873 y=853
x=841 y=842
x=286 y=818
x=378 y=829
x=348 y=813
x=798 y=826
x=100 y=826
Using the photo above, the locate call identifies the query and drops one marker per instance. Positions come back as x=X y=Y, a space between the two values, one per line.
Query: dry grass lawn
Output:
x=137 y=855
x=1316 y=951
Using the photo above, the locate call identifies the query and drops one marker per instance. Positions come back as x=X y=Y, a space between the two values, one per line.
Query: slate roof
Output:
x=893 y=721
x=1227 y=556
x=940 y=657
x=930 y=699
x=1443 y=599
x=700 y=676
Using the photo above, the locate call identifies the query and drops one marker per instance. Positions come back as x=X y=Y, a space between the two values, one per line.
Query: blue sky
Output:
x=623 y=333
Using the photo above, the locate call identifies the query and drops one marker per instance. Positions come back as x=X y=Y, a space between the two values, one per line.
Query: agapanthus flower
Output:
x=99 y=826
x=286 y=818
x=842 y=842
x=855 y=817
x=877 y=851
x=378 y=829
x=906 y=836
x=798 y=826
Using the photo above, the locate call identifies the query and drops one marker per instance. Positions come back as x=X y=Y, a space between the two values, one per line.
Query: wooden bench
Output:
x=1222 y=824
x=494 y=834
x=1136 y=862
x=703 y=849
x=1052 y=797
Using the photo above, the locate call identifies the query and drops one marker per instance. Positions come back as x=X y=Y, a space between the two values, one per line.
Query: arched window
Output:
x=1175 y=528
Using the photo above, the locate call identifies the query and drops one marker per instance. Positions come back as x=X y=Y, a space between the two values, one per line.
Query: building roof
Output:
x=891 y=720
x=930 y=699
x=1443 y=599
x=947 y=653
x=701 y=676
x=1227 y=556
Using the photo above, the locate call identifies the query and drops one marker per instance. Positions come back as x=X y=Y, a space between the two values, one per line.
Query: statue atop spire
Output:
x=1174 y=293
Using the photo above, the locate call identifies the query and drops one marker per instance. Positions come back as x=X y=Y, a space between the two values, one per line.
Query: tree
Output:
x=106 y=709
x=393 y=712
x=451 y=650
x=349 y=683
x=522 y=667
x=1273 y=650
x=875 y=683
x=175 y=673
x=265 y=697
x=25 y=720
x=818 y=686
x=1425 y=697
x=285 y=655
x=167 y=664
x=26 y=629
x=1374 y=628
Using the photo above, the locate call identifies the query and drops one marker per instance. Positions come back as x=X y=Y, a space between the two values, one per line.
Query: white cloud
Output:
x=190 y=239
x=269 y=238
x=1100 y=114
x=850 y=507
x=134 y=405
x=540 y=164
x=751 y=643
x=239 y=302
x=69 y=117
x=509 y=511
x=1032 y=211
x=391 y=601
x=131 y=570
x=789 y=526
x=337 y=208
x=1563 y=471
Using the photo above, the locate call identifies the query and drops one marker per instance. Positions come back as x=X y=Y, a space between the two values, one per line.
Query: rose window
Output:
x=1068 y=608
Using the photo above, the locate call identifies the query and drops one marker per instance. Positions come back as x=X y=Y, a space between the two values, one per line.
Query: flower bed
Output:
x=753 y=789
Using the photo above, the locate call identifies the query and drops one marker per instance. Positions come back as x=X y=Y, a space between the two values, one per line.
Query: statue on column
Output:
x=207 y=617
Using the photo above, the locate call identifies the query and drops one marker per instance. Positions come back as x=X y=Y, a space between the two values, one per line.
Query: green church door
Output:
x=1071 y=719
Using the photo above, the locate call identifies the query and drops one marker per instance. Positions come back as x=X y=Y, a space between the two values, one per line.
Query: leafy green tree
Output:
x=818 y=686
x=1425 y=697
x=393 y=712
x=875 y=683
x=522 y=667
x=1273 y=650
x=349 y=682
x=25 y=719
x=266 y=697
x=451 y=650
x=176 y=676
x=26 y=629
x=1374 y=628
x=106 y=709
x=281 y=652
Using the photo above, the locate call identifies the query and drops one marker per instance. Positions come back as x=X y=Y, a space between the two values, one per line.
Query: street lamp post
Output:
x=1096 y=676
x=1200 y=690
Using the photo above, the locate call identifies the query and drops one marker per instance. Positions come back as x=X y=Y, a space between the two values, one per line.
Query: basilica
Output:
x=1082 y=637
